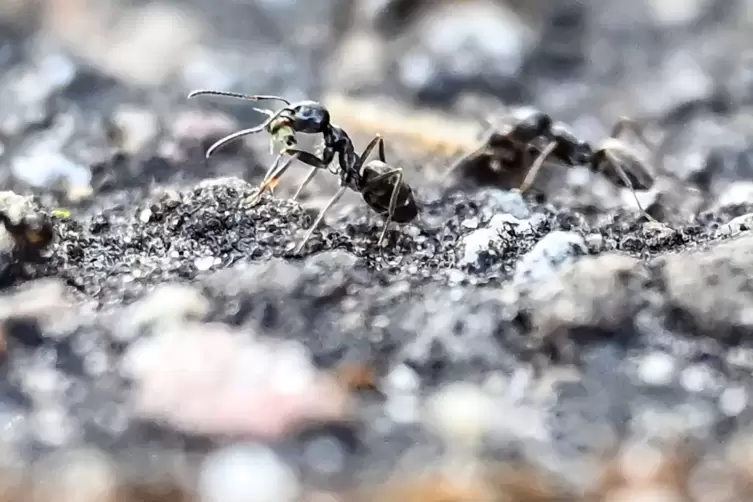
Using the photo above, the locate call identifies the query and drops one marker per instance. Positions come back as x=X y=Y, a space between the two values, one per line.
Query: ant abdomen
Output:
x=378 y=195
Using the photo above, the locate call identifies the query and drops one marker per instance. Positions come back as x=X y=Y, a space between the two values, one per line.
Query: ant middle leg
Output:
x=320 y=217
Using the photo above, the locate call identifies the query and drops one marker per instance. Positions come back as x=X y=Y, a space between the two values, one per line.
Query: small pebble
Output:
x=657 y=369
x=204 y=264
x=246 y=473
x=553 y=251
x=403 y=408
x=737 y=225
x=733 y=401
x=461 y=412
x=403 y=379
x=695 y=378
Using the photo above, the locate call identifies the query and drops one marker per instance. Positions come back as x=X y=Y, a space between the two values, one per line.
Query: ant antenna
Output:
x=247 y=97
x=243 y=132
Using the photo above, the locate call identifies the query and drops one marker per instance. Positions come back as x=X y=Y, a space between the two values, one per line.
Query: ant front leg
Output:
x=615 y=163
x=276 y=171
x=536 y=166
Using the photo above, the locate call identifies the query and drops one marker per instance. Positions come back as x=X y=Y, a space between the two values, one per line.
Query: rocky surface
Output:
x=169 y=337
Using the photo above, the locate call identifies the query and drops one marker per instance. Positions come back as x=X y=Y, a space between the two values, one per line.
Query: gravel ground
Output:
x=169 y=344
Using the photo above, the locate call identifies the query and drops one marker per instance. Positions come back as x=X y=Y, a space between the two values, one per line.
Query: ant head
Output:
x=530 y=123
x=308 y=117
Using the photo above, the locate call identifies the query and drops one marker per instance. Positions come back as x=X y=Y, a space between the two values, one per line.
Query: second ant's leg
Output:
x=319 y=218
x=536 y=166
x=464 y=158
x=397 y=173
x=625 y=179
x=625 y=123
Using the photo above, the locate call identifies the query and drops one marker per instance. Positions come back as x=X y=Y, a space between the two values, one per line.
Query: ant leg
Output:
x=319 y=218
x=273 y=175
x=625 y=123
x=624 y=177
x=306 y=181
x=378 y=141
x=397 y=173
x=271 y=180
x=536 y=166
x=464 y=158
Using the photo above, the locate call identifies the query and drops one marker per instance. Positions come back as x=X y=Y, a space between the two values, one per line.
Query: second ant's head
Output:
x=308 y=117
x=530 y=123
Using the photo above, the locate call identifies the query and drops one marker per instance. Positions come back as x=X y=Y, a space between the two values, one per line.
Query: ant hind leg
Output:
x=397 y=174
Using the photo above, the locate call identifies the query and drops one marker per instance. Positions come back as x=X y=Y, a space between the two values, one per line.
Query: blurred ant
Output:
x=381 y=185
x=613 y=157
x=517 y=137
x=508 y=136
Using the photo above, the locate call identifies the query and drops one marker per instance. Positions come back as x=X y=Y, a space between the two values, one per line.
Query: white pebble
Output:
x=76 y=476
x=402 y=409
x=204 y=263
x=403 y=379
x=695 y=378
x=246 y=473
x=733 y=401
x=657 y=369
x=461 y=412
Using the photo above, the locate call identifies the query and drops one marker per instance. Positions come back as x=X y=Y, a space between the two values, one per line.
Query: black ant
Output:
x=516 y=137
x=613 y=158
x=508 y=136
x=381 y=185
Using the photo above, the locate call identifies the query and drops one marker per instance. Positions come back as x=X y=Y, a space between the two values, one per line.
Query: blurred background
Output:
x=78 y=75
